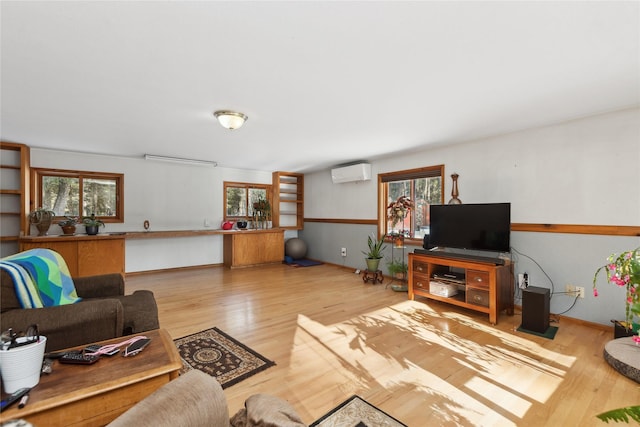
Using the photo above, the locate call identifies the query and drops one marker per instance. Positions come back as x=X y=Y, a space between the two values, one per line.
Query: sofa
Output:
x=104 y=312
x=196 y=399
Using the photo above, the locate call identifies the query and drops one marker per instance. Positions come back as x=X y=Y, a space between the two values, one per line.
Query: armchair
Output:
x=104 y=312
x=196 y=399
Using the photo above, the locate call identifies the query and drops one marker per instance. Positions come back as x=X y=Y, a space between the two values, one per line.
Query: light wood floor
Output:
x=426 y=363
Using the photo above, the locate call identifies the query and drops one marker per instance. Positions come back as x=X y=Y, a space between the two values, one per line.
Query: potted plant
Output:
x=261 y=213
x=624 y=271
x=398 y=210
x=92 y=224
x=68 y=225
x=42 y=219
x=397 y=269
x=374 y=254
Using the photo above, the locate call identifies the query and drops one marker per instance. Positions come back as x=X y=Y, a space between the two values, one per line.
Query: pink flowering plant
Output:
x=624 y=271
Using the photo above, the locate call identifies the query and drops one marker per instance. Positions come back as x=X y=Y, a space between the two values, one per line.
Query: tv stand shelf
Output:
x=488 y=287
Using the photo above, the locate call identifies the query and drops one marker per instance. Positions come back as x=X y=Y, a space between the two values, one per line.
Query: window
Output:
x=77 y=193
x=239 y=198
x=423 y=186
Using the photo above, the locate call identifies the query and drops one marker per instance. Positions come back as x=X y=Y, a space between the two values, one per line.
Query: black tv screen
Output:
x=484 y=227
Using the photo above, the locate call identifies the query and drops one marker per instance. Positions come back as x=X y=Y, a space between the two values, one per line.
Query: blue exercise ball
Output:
x=295 y=248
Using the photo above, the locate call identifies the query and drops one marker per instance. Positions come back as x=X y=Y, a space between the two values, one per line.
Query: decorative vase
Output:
x=398 y=241
x=42 y=220
x=454 y=191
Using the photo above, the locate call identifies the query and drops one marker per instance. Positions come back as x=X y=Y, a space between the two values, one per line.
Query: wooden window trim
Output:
x=36 y=188
x=246 y=186
x=384 y=178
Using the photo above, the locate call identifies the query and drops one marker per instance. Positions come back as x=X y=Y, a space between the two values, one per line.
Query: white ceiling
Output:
x=323 y=83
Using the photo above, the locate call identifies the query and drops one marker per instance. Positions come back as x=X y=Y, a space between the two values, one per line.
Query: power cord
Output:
x=539 y=266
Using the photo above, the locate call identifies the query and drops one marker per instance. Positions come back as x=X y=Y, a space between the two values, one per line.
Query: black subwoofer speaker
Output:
x=535 y=309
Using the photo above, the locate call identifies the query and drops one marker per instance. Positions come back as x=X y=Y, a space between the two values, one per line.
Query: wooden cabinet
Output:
x=14 y=200
x=253 y=247
x=84 y=255
x=481 y=286
x=288 y=200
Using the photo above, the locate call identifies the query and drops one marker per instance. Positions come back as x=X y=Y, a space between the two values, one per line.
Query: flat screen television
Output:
x=483 y=226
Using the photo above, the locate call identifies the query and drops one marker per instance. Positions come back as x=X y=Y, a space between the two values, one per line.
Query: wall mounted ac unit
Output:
x=351 y=173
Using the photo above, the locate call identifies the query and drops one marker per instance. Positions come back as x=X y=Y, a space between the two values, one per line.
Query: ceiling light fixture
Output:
x=180 y=160
x=230 y=119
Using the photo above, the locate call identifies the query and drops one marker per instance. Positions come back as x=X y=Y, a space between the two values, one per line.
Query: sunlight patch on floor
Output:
x=384 y=348
x=511 y=402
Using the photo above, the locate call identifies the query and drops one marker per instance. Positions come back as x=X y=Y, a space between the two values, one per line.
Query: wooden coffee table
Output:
x=94 y=395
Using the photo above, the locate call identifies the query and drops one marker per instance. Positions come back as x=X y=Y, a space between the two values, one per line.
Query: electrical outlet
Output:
x=574 y=291
x=343 y=252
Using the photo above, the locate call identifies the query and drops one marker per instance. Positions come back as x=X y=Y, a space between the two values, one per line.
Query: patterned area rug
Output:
x=217 y=354
x=357 y=412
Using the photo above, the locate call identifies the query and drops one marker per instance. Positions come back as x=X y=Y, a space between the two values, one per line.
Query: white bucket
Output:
x=20 y=367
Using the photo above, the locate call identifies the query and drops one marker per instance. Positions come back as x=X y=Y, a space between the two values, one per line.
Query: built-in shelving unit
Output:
x=288 y=200
x=14 y=200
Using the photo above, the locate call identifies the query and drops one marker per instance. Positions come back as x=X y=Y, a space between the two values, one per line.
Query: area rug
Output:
x=217 y=354
x=550 y=333
x=356 y=412
x=304 y=262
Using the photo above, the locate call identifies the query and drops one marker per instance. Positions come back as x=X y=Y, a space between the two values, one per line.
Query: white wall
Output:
x=580 y=172
x=171 y=196
x=584 y=171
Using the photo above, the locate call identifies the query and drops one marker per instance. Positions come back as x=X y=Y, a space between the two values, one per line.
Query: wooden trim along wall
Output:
x=343 y=221
x=606 y=230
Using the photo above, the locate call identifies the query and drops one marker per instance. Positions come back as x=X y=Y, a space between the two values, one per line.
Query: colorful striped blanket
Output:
x=41 y=278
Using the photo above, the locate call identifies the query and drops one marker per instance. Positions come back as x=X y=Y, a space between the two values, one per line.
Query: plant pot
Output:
x=20 y=366
x=372 y=263
x=621 y=330
x=42 y=220
x=69 y=229
x=92 y=230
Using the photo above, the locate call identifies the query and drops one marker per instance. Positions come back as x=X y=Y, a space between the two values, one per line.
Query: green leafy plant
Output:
x=92 y=221
x=397 y=267
x=37 y=214
x=375 y=247
x=621 y=414
x=624 y=271
x=69 y=221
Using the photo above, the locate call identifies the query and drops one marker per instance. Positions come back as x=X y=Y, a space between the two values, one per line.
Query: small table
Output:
x=94 y=395
x=372 y=276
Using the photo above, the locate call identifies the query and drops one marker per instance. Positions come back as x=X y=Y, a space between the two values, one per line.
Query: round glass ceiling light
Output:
x=230 y=119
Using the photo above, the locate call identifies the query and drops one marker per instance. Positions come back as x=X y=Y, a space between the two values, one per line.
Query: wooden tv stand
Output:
x=488 y=287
